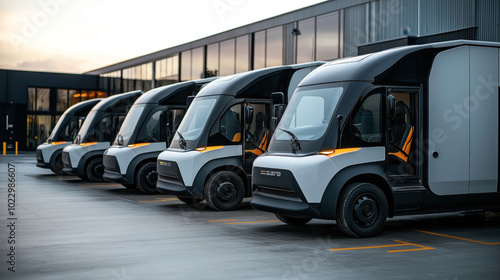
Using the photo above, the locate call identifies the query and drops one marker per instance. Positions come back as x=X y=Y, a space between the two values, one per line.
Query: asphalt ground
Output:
x=66 y=228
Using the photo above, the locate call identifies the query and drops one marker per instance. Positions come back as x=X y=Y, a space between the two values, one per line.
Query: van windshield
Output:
x=86 y=126
x=129 y=124
x=309 y=112
x=195 y=119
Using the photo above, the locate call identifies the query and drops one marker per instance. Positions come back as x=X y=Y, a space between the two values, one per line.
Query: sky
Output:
x=75 y=36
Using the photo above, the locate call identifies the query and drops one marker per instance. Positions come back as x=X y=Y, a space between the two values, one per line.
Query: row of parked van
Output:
x=362 y=139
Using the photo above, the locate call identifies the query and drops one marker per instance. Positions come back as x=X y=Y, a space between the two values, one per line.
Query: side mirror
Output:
x=278 y=98
x=248 y=114
x=279 y=109
x=392 y=106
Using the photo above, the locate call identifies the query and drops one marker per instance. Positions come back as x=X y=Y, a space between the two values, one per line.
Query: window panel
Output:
x=74 y=96
x=212 y=60
x=305 y=41
x=259 y=60
x=186 y=65
x=242 y=54
x=327 y=36
x=42 y=99
x=227 y=50
x=31 y=99
x=197 y=71
x=62 y=100
x=274 y=48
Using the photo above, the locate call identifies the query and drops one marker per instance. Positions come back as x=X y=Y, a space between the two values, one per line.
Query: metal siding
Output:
x=391 y=17
x=488 y=20
x=448 y=130
x=446 y=15
x=355 y=32
x=483 y=111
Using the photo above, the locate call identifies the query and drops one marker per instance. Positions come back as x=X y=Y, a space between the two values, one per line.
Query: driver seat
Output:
x=403 y=132
x=261 y=135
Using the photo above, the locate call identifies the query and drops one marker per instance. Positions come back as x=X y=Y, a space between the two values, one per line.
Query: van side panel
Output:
x=483 y=109
x=448 y=153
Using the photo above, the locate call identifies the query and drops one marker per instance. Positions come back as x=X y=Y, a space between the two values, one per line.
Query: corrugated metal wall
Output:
x=446 y=15
x=391 y=19
x=383 y=20
x=355 y=32
x=488 y=20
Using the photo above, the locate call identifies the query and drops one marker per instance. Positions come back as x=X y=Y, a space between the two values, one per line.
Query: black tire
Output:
x=362 y=210
x=224 y=191
x=57 y=166
x=190 y=200
x=146 y=178
x=130 y=186
x=294 y=221
x=95 y=170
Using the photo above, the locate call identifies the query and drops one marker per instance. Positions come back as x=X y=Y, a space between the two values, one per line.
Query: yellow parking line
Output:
x=459 y=238
x=252 y=222
x=228 y=220
x=161 y=199
x=401 y=243
x=421 y=247
x=367 y=247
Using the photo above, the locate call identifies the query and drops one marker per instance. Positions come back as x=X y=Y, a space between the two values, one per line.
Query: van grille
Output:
x=278 y=192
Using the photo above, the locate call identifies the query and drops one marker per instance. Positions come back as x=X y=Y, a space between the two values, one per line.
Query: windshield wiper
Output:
x=295 y=141
x=182 y=141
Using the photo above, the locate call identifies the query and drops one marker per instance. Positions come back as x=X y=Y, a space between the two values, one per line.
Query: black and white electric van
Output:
x=145 y=132
x=404 y=131
x=48 y=154
x=84 y=157
x=225 y=128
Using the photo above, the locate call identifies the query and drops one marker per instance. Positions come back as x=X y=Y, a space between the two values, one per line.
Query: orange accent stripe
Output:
x=58 y=142
x=88 y=143
x=137 y=145
x=206 y=149
x=459 y=238
x=336 y=152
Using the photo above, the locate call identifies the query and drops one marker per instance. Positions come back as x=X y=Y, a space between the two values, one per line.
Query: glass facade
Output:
x=259 y=50
x=242 y=54
x=274 y=46
x=304 y=50
x=212 y=69
x=167 y=71
x=316 y=38
x=138 y=77
x=46 y=105
x=227 y=60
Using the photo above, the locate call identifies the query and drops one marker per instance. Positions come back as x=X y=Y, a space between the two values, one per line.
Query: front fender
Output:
x=369 y=172
x=229 y=163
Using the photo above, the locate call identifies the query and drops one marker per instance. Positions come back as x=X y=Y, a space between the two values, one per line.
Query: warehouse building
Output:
x=325 y=31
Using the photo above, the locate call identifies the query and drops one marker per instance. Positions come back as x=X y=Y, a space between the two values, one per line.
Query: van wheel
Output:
x=57 y=166
x=294 y=221
x=190 y=200
x=362 y=210
x=224 y=191
x=95 y=170
x=147 y=177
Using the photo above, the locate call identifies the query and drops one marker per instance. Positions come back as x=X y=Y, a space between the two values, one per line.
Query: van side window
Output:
x=367 y=122
x=230 y=124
